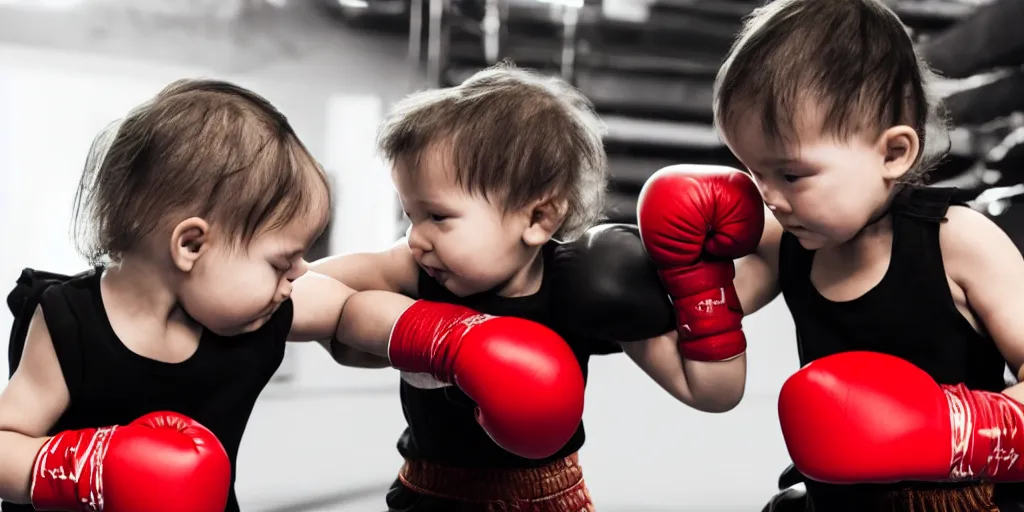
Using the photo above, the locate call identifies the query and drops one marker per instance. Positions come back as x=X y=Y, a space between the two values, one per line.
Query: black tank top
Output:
x=909 y=314
x=111 y=385
x=441 y=426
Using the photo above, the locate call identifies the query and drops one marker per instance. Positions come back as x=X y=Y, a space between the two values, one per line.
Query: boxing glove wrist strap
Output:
x=708 y=312
x=68 y=471
x=988 y=435
x=721 y=347
x=426 y=337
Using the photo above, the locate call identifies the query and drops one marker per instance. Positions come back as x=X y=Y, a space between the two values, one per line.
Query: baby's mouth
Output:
x=436 y=274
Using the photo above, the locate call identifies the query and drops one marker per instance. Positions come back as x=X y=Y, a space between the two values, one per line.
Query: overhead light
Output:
x=573 y=4
x=636 y=11
x=354 y=4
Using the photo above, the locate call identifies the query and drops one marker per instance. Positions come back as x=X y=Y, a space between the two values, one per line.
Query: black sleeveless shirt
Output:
x=111 y=385
x=909 y=314
x=441 y=426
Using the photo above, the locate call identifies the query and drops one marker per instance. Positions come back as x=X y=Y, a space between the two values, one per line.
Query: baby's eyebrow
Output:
x=432 y=205
x=779 y=161
x=290 y=254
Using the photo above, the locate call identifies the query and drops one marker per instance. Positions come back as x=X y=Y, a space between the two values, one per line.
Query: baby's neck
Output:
x=139 y=287
x=142 y=308
x=527 y=280
x=874 y=241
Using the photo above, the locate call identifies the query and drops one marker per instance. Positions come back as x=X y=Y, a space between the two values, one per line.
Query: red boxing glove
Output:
x=864 y=417
x=161 y=462
x=525 y=379
x=694 y=220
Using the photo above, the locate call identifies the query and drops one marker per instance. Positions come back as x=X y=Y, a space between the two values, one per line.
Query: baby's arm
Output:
x=393 y=270
x=31 y=403
x=348 y=356
x=496 y=361
x=607 y=289
x=982 y=261
x=757 y=274
x=169 y=461
x=318 y=302
x=829 y=410
x=709 y=386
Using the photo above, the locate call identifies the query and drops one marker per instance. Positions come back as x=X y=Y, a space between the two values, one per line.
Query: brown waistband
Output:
x=968 y=498
x=488 y=484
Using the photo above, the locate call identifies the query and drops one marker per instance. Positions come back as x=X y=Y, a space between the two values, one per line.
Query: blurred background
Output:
x=323 y=437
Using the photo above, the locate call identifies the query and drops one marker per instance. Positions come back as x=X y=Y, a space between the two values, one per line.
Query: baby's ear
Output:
x=546 y=217
x=900 y=147
x=189 y=240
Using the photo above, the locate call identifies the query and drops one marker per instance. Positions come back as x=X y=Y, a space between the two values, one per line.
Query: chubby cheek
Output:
x=460 y=254
x=237 y=292
x=838 y=220
x=478 y=258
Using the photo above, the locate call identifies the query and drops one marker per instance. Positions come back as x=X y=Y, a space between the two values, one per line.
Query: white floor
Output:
x=323 y=437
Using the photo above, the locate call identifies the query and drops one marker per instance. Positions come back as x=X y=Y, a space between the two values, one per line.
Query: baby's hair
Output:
x=200 y=148
x=853 y=59
x=511 y=135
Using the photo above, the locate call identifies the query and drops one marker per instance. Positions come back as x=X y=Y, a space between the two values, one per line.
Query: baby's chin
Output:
x=811 y=244
x=229 y=331
x=811 y=241
x=459 y=289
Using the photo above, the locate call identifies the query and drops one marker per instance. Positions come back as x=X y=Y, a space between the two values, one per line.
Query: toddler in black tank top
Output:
x=133 y=382
x=502 y=178
x=907 y=306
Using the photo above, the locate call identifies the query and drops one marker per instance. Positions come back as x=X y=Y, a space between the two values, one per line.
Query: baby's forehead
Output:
x=435 y=159
x=292 y=238
x=757 y=148
x=782 y=128
x=750 y=132
x=803 y=112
